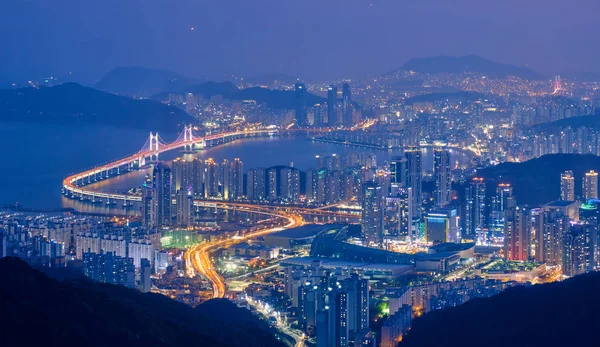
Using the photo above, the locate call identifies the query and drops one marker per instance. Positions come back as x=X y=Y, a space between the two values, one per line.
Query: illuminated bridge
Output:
x=76 y=185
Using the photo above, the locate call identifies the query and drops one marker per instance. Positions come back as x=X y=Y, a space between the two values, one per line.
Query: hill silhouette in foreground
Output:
x=469 y=63
x=537 y=181
x=557 y=314
x=38 y=310
x=71 y=103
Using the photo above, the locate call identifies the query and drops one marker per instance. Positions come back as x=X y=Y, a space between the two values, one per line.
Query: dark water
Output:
x=37 y=159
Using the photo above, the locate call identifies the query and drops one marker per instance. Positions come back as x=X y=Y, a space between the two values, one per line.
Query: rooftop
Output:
x=305 y=231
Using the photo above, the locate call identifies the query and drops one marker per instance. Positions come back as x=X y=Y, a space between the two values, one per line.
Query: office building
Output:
x=443 y=178
x=373 y=208
x=567 y=186
x=441 y=225
x=590 y=185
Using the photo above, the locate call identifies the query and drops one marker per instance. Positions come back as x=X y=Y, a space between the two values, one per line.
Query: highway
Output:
x=199 y=256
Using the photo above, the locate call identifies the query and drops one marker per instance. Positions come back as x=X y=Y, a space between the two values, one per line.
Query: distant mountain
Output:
x=556 y=314
x=271 y=79
x=37 y=309
x=277 y=99
x=457 y=96
x=470 y=63
x=71 y=103
x=537 y=181
x=141 y=81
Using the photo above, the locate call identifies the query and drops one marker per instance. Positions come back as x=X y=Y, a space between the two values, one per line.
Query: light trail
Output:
x=199 y=256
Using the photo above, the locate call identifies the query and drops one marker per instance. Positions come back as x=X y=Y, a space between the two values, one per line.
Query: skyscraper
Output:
x=301 y=107
x=414 y=179
x=289 y=184
x=443 y=179
x=256 y=189
x=579 y=254
x=272 y=179
x=517 y=234
x=397 y=173
x=373 y=208
x=161 y=197
x=567 y=186
x=590 y=185
x=236 y=181
x=347 y=105
x=332 y=117
x=183 y=206
x=211 y=179
x=501 y=202
x=475 y=209
x=224 y=180
x=198 y=178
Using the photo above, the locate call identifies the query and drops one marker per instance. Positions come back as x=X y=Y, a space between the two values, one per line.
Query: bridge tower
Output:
x=154 y=147
x=188 y=138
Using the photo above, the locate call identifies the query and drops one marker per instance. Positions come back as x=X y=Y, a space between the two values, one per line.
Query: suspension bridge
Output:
x=187 y=140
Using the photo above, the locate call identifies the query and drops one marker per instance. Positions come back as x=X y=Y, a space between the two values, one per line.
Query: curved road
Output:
x=199 y=256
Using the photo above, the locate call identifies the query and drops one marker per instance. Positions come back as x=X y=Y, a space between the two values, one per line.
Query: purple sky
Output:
x=312 y=38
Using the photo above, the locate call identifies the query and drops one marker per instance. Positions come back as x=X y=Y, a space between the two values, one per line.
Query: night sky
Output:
x=314 y=39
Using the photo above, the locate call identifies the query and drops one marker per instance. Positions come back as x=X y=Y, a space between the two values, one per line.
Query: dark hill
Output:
x=140 y=81
x=537 y=181
x=38 y=310
x=558 y=314
x=271 y=78
x=592 y=121
x=469 y=63
x=71 y=103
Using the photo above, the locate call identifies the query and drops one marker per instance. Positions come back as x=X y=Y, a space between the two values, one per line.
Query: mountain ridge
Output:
x=468 y=63
x=72 y=103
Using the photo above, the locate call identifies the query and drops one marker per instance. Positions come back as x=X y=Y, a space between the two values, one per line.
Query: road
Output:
x=199 y=256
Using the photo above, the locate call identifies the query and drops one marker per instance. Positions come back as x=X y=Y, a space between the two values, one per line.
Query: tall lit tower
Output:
x=414 y=179
x=161 y=194
x=301 y=109
x=567 y=186
x=236 y=182
x=347 y=105
x=443 y=179
x=332 y=119
x=475 y=209
x=373 y=208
